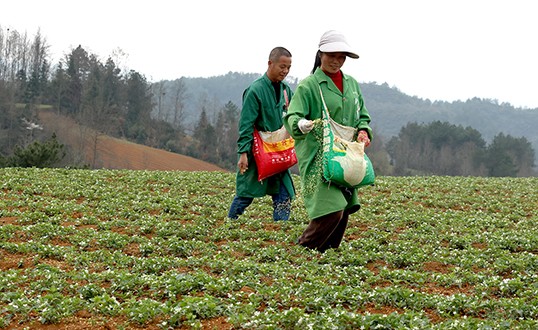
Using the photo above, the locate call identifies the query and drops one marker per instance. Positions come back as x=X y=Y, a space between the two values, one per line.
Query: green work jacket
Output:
x=261 y=110
x=346 y=108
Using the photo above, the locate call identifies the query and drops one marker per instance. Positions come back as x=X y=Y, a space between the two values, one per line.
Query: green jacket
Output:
x=261 y=110
x=347 y=109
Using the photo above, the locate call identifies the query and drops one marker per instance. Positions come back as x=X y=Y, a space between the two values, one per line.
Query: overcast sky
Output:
x=437 y=50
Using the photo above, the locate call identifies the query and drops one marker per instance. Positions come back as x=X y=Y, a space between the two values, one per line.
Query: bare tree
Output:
x=160 y=90
x=179 y=104
x=14 y=50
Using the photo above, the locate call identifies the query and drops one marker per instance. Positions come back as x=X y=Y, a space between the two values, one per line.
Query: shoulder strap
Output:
x=342 y=131
x=325 y=111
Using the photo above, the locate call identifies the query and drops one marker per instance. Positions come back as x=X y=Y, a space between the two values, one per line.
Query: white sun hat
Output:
x=334 y=41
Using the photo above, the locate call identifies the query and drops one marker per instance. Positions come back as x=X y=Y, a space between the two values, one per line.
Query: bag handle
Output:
x=325 y=111
x=346 y=132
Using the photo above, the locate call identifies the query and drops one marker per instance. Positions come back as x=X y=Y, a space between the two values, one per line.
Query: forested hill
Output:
x=198 y=117
x=390 y=109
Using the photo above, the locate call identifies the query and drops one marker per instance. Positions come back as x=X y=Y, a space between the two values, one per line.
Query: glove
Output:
x=305 y=125
x=363 y=137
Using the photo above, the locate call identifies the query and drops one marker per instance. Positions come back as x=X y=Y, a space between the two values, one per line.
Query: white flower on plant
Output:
x=30 y=125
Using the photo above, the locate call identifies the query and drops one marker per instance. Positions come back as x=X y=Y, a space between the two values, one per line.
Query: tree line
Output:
x=441 y=148
x=99 y=95
x=122 y=103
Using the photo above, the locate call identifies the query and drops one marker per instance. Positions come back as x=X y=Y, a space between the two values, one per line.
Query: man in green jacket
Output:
x=264 y=104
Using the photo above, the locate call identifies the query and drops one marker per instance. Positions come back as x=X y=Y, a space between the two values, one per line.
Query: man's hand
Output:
x=242 y=164
x=363 y=137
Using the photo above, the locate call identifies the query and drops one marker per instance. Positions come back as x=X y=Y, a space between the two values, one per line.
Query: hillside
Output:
x=101 y=151
x=390 y=108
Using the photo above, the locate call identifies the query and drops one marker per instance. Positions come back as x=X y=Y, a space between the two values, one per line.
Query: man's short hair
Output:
x=277 y=52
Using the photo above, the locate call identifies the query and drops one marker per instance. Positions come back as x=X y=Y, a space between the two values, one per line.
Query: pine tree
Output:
x=38 y=154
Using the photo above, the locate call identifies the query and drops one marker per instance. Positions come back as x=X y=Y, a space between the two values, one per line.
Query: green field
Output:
x=142 y=249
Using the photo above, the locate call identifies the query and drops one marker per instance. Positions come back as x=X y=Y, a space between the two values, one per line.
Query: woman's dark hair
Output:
x=317 y=61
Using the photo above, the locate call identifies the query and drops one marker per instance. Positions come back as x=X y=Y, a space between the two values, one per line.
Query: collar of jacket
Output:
x=321 y=77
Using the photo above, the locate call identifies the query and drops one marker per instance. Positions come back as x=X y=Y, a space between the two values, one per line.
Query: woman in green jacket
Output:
x=328 y=205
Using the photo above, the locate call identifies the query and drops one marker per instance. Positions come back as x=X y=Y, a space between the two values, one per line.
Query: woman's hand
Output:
x=305 y=125
x=363 y=137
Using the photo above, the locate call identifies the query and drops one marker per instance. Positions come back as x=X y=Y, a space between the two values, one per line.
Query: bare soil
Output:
x=102 y=151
